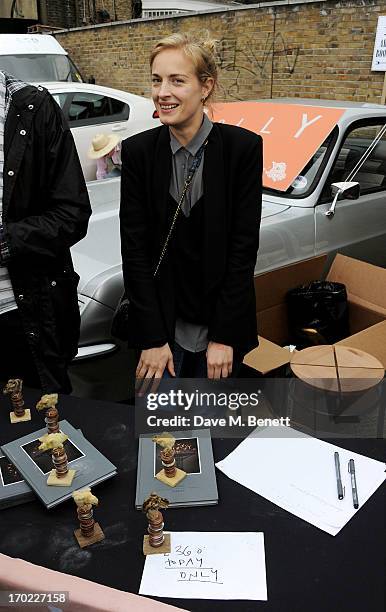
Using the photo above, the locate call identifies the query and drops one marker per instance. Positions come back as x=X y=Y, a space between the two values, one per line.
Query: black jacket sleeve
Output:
x=235 y=304
x=66 y=210
x=148 y=328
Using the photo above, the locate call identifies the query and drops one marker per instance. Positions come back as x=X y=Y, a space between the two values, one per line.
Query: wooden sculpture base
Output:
x=66 y=481
x=97 y=536
x=337 y=368
x=151 y=550
x=15 y=419
x=171 y=482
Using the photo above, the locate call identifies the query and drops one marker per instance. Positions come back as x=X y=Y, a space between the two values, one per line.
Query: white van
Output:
x=36 y=57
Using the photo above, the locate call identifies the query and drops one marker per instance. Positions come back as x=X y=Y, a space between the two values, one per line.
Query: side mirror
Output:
x=350 y=190
x=346 y=189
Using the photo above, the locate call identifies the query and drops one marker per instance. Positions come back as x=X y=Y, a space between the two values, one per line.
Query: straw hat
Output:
x=102 y=144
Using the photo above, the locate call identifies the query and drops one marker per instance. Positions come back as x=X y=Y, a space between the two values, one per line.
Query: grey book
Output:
x=34 y=466
x=194 y=455
x=13 y=488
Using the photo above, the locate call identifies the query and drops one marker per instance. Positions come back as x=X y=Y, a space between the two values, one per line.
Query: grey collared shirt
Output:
x=181 y=161
x=190 y=336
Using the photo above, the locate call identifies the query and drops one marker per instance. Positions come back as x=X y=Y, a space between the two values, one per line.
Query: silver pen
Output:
x=351 y=469
x=338 y=476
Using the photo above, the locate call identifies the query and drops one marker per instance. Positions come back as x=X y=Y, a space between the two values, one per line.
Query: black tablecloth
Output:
x=307 y=569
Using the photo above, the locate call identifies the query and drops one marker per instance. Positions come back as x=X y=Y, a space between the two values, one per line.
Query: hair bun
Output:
x=209 y=44
x=206 y=42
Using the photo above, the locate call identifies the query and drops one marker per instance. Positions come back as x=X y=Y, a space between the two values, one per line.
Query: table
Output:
x=307 y=569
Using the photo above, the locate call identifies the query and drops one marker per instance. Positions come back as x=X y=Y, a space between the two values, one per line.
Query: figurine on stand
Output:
x=48 y=402
x=156 y=542
x=89 y=531
x=14 y=388
x=61 y=476
x=170 y=474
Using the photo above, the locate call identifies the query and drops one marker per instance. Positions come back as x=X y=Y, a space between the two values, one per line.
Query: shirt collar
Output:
x=9 y=85
x=196 y=141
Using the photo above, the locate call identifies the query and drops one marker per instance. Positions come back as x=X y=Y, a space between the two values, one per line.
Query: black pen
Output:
x=338 y=476
x=351 y=469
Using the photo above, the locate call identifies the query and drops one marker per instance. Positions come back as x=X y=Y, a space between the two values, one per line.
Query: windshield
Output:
x=34 y=68
x=305 y=182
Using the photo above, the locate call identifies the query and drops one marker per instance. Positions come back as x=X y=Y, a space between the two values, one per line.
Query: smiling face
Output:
x=177 y=92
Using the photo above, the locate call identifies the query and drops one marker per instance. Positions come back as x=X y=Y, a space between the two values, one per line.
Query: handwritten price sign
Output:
x=223 y=565
x=190 y=565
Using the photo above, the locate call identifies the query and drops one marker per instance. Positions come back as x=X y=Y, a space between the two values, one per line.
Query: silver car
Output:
x=92 y=109
x=336 y=203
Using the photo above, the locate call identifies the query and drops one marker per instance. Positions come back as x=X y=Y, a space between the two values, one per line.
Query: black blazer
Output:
x=232 y=204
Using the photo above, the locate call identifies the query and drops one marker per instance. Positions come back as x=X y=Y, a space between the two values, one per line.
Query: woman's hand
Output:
x=219 y=358
x=153 y=362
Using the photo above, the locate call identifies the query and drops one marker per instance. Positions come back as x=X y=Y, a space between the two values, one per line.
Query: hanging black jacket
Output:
x=45 y=211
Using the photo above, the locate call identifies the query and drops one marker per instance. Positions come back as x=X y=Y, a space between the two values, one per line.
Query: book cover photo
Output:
x=193 y=455
x=91 y=467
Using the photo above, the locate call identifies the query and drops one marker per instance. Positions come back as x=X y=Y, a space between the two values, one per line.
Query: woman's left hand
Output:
x=219 y=358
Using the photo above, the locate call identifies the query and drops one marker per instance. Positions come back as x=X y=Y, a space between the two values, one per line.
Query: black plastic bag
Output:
x=317 y=313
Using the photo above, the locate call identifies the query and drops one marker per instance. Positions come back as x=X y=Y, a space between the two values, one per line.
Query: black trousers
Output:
x=16 y=360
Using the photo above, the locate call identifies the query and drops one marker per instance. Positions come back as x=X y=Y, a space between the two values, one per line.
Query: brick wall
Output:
x=315 y=50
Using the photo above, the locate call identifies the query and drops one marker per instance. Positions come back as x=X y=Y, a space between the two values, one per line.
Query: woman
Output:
x=195 y=317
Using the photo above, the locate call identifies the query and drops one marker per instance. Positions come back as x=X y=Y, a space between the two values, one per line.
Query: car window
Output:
x=60 y=99
x=308 y=178
x=371 y=174
x=302 y=182
x=37 y=67
x=74 y=73
x=94 y=108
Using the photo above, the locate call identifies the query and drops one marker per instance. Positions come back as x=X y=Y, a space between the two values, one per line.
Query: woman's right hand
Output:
x=153 y=362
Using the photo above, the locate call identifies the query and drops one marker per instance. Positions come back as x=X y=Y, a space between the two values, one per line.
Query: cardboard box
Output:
x=366 y=291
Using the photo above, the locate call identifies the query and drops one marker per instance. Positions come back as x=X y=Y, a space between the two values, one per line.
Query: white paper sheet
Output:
x=222 y=565
x=297 y=472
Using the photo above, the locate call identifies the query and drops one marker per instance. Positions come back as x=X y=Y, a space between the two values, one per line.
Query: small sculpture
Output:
x=14 y=388
x=170 y=475
x=156 y=542
x=48 y=402
x=61 y=476
x=89 y=531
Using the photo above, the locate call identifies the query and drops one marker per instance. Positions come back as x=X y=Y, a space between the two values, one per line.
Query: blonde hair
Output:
x=200 y=50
